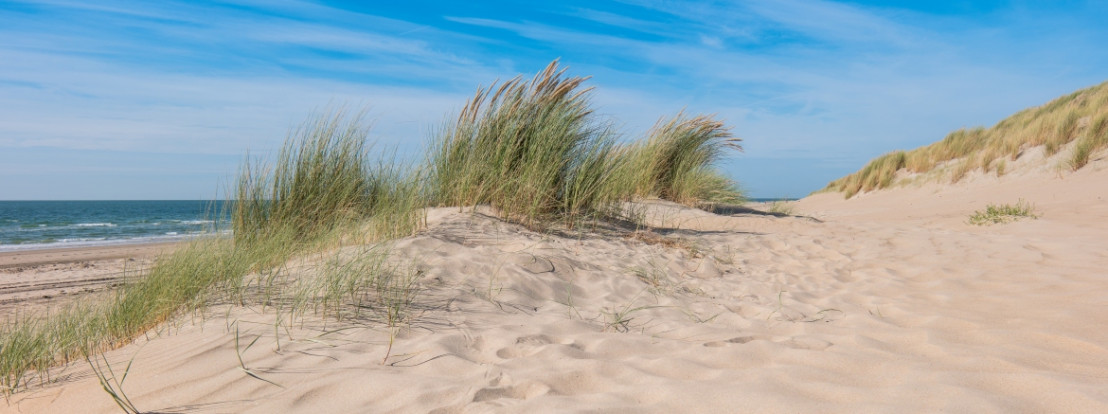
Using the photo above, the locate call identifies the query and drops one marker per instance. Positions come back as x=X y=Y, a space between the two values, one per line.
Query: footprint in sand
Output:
x=526 y=390
x=525 y=346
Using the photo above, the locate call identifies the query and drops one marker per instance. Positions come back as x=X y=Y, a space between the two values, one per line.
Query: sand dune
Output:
x=888 y=302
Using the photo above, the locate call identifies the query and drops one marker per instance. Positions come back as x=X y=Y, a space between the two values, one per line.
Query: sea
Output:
x=31 y=225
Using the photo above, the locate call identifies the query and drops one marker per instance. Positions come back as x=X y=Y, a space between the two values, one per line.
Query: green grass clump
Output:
x=1081 y=116
x=535 y=152
x=532 y=150
x=1003 y=213
x=676 y=161
x=322 y=180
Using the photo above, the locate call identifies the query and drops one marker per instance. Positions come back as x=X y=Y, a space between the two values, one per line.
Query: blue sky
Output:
x=162 y=100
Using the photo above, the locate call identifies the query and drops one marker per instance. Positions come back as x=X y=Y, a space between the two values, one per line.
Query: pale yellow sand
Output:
x=889 y=303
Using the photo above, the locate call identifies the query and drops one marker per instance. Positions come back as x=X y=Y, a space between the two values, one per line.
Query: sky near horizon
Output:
x=163 y=100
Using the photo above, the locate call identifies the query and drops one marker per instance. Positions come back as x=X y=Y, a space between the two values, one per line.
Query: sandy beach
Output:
x=34 y=280
x=887 y=302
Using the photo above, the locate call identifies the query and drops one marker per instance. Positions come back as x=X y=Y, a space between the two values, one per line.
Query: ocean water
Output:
x=26 y=225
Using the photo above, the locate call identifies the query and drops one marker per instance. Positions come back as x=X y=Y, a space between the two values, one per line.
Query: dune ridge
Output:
x=1066 y=132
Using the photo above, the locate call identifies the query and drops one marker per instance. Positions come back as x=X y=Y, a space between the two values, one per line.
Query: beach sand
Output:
x=35 y=280
x=888 y=302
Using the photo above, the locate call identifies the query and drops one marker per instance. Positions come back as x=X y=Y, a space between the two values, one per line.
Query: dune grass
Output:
x=879 y=173
x=318 y=181
x=1080 y=116
x=532 y=149
x=676 y=161
x=536 y=152
x=325 y=179
x=1003 y=213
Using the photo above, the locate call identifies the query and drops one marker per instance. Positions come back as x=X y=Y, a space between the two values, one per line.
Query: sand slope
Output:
x=889 y=302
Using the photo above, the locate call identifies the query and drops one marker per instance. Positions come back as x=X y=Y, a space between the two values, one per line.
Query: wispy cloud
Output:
x=218 y=83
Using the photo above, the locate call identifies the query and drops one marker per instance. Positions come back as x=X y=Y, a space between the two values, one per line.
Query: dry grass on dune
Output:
x=1081 y=116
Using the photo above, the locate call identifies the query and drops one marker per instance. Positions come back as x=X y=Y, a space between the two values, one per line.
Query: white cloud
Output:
x=91 y=105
